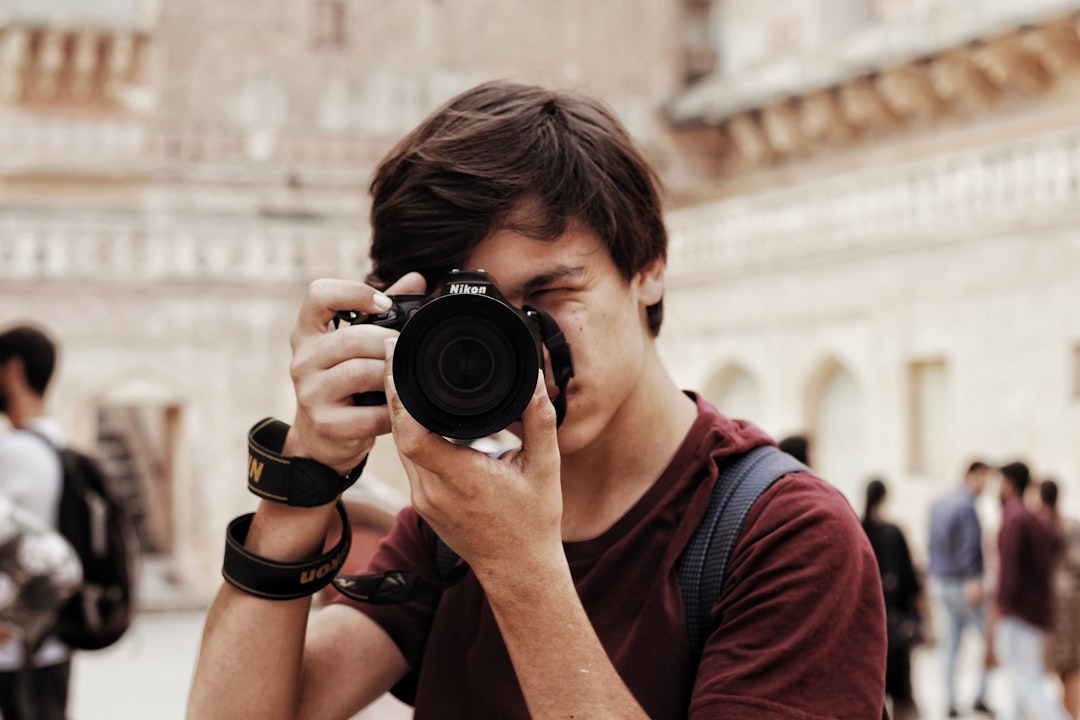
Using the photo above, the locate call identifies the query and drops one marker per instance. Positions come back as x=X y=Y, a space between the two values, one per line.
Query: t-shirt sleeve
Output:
x=409 y=546
x=800 y=625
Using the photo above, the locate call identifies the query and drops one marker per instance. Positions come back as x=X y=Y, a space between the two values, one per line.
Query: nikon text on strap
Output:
x=275 y=580
x=300 y=482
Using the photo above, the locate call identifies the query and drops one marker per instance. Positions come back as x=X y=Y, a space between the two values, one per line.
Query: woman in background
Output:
x=1063 y=642
x=903 y=592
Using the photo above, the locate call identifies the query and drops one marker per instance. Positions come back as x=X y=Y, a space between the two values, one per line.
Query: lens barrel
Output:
x=465 y=365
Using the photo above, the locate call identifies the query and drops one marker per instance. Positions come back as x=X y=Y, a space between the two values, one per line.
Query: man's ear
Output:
x=650 y=282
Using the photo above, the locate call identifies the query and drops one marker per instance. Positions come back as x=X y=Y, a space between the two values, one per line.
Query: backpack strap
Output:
x=742 y=480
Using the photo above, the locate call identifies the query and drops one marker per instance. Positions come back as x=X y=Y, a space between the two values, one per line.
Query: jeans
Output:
x=956 y=613
x=1019 y=650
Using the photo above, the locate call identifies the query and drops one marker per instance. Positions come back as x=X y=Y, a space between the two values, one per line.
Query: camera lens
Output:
x=465 y=365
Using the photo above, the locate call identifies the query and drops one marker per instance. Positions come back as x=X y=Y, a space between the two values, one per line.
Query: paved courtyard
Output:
x=148 y=673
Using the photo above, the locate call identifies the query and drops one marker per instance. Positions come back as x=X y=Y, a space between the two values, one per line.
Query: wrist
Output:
x=302 y=441
x=290 y=572
x=288 y=534
x=274 y=474
x=526 y=580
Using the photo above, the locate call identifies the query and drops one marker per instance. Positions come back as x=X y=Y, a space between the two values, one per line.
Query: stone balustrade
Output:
x=951 y=197
x=117 y=145
x=127 y=249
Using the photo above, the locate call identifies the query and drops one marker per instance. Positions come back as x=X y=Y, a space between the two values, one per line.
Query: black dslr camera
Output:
x=466 y=361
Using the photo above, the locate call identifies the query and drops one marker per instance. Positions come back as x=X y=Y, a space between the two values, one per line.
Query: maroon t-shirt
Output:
x=801 y=631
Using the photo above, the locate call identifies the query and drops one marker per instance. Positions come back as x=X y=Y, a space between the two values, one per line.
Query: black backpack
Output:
x=98 y=527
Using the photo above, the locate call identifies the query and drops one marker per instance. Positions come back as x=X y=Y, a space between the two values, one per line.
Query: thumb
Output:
x=540 y=441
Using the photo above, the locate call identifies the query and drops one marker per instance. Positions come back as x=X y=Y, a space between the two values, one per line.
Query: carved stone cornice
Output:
x=973 y=75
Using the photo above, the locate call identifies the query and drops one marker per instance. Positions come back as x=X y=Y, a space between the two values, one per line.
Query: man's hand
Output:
x=973 y=592
x=329 y=365
x=501 y=515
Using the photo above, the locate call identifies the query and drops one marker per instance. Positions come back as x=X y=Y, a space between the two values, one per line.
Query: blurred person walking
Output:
x=1063 y=642
x=903 y=593
x=956 y=569
x=1023 y=605
x=30 y=476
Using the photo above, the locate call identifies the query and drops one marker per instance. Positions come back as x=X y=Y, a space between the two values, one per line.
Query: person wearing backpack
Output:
x=31 y=476
x=569 y=603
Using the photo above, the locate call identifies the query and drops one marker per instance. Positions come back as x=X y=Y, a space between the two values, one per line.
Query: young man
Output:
x=1024 y=602
x=571 y=606
x=30 y=476
x=956 y=569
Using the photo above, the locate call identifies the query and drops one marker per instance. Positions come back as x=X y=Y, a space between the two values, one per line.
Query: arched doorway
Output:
x=837 y=428
x=735 y=392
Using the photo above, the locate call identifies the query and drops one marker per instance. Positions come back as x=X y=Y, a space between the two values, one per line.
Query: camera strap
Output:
x=398 y=586
x=274 y=580
x=295 y=481
x=562 y=363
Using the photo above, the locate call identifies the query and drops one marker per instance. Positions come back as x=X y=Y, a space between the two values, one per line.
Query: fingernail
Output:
x=382 y=302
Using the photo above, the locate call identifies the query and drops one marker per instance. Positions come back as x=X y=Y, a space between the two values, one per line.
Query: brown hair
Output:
x=501 y=148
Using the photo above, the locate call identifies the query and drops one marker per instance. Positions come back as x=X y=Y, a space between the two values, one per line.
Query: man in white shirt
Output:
x=30 y=476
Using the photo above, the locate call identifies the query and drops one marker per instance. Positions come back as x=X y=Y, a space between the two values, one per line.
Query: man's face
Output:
x=977 y=481
x=600 y=313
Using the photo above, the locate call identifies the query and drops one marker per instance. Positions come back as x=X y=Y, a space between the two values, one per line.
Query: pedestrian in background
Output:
x=1063 y=642
x=1023 y=605
x=31 y=477
x=903 y=593
x=956 y=569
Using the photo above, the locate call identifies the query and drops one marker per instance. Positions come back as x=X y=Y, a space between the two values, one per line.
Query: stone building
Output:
x=872 y=198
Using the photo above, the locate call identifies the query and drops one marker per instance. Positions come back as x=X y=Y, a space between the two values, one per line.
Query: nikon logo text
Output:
x=465 y=289
x=327 y=567
x=255 y=469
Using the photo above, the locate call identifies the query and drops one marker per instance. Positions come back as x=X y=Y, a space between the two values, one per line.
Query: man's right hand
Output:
x=329 y=365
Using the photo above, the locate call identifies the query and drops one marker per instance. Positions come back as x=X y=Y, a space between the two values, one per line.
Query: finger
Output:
x=540 y=441
x=347 y=424
x=319 y=352
x=427 y=449
x=409 y=283
x=326 y=296
x=337 y=384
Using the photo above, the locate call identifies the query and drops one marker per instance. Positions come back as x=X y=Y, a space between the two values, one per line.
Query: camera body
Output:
x=466 y=361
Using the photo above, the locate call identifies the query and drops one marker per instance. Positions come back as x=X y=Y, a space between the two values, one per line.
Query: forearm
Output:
x=563 y=669
x=250 y=660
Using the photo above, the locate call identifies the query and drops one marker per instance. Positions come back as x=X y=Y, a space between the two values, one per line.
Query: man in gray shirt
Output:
x=956 y=566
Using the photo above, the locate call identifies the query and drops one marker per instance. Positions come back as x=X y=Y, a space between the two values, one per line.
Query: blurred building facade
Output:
x=888 y=262
x=875 y=200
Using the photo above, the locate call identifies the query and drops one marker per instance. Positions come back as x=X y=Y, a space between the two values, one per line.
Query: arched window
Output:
x=837 y=427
